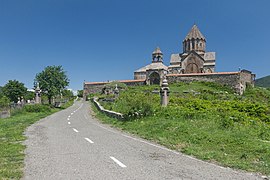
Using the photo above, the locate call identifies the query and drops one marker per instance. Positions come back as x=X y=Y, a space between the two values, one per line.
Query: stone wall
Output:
x=236 y=80
x=4 y=113
x=232 y=79
x=96 y=87
x=107 y=112
x=139 y=75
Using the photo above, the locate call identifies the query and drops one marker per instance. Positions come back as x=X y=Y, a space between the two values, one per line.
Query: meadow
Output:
x=205 y=120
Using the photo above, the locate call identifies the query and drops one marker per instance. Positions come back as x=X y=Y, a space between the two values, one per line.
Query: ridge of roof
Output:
x=194 y=33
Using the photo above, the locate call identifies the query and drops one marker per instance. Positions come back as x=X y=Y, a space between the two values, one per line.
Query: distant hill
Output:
x=263 y=82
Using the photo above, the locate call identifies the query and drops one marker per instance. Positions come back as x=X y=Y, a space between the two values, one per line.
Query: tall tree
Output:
x=52 y=80
x=67 y=93
x=14 y=90
x=80 y=93
x=1 y=91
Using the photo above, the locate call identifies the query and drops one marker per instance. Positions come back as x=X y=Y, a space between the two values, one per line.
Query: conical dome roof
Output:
x=194 y=33
x=157 y=51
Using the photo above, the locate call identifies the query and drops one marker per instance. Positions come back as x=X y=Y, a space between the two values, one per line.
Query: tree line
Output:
x=52 y=82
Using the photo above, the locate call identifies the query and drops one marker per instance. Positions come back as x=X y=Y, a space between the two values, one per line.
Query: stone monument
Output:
x=38 y=94
x=164 y=93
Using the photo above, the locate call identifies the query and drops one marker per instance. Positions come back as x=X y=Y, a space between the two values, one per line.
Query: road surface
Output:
x=71 y=144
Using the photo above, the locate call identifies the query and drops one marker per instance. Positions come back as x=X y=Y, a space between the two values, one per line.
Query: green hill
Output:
x=203 y=119
x=263 y=82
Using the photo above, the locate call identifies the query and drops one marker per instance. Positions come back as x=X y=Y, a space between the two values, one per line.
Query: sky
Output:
x=98 y=40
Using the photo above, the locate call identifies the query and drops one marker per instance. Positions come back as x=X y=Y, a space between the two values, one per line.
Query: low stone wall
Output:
x=107 y=112
x=231 y=79
x=96 y=87
x=236 y=80
x=4 y=113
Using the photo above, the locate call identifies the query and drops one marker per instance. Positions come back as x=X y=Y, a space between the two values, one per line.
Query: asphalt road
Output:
x=71 y=144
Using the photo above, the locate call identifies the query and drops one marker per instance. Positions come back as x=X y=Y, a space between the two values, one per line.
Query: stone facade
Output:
x=194 y=59
x=193 y=64
x=154 y=72
x=4 y=113
x=237 y=80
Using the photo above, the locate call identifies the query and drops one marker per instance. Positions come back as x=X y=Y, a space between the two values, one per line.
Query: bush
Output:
x=135 y=105
x=4 y=102
x=36 y=108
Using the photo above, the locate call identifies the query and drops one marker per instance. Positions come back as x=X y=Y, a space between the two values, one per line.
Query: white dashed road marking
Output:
x=87 y=139
x=75 y=130
x=118 y=162
x=68 y=122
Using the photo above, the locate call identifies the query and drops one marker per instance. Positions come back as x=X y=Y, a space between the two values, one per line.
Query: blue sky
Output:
x=98 y=40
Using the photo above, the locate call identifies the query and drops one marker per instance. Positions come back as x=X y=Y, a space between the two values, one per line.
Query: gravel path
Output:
x=71 y=144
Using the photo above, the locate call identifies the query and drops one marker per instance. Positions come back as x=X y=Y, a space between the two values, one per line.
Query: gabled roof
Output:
x=194 y=33
x=209 y=56
x=192 y=52
x=175 y=58
x=157 y=65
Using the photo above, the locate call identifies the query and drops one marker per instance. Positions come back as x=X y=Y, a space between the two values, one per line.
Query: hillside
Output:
x=263 y=82
x=205 y=120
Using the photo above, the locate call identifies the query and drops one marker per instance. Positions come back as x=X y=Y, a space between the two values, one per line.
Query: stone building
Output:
x=193 y=59
x=193 y=64
x=153 y=73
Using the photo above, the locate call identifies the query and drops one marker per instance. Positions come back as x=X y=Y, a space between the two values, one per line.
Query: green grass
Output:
x=11 y=139
x=204 y=120
x=263 y=82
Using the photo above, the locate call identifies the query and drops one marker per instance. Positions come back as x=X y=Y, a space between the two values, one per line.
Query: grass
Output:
x=204 y=120
x=11 y=139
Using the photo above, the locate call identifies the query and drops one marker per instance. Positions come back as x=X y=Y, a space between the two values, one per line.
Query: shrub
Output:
x=4 y=102
x=135 y=105
x=36 y=108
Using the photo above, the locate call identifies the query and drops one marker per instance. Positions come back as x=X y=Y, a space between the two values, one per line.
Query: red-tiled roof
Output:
x=122 y=81
x=204 y=74
x=137 y=80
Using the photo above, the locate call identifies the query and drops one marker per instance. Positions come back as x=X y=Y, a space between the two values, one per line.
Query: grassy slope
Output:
x=11 y=138
x=263 y=82
x=215 y=125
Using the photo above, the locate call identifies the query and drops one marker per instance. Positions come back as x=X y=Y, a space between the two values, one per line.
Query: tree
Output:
x=52 y=80
x=29 y=95
x=67 y=93
x=1 y=92
x=14 y=90
x=4 y=102
x=80 y=93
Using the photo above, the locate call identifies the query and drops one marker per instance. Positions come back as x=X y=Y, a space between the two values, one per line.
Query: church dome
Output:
x=194 y=41
x=194 y=33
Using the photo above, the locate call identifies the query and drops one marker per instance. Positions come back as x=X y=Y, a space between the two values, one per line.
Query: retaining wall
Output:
x=107 y=112
x=96 y=87
x=4 y=113
x=232 y=79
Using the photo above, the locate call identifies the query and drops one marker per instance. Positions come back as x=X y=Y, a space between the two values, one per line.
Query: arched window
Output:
x=154 y=78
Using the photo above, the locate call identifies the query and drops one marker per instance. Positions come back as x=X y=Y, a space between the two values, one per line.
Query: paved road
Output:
x=71 y=144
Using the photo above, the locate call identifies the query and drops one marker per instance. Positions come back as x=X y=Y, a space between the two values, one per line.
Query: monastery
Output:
x=193 y=64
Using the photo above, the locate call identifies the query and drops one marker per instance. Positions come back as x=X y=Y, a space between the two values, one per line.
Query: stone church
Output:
x=193 y=59
x=193 y=64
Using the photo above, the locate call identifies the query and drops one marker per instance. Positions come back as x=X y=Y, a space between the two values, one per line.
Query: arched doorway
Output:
x=192 y=68
x=154 y=78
